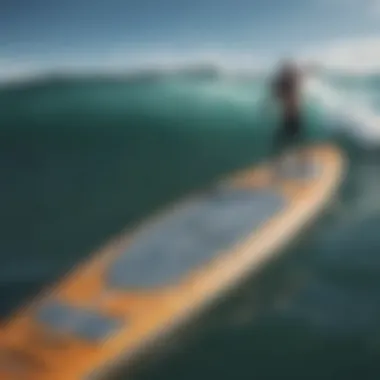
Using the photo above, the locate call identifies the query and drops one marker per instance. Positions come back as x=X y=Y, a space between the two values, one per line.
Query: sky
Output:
x=46 y=35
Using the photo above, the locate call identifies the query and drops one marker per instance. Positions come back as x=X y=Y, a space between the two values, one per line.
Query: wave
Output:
x=355 y=111
x=201 y=96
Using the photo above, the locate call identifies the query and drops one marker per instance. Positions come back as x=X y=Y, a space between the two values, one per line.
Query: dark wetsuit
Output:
x=286 y=91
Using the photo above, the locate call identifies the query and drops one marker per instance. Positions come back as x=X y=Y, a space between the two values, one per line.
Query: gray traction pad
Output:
x=298 y=170
x=85 y=324
x=192 y=235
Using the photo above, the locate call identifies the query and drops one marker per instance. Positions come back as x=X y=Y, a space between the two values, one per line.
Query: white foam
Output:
x=359 y=118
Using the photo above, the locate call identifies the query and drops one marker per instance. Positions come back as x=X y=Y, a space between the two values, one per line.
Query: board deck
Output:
x=147 y=281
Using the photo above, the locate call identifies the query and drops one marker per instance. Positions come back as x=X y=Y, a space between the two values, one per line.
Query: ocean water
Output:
x=82 y=159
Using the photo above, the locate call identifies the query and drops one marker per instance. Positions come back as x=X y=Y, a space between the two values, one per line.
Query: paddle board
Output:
x=144 y=283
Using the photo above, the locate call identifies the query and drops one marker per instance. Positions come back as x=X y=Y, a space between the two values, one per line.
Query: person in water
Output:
x=286 y=91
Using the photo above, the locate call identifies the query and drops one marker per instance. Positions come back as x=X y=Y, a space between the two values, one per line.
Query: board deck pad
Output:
x=193 y=235
x=148 y=280
x=298 y=169
x=63 y=318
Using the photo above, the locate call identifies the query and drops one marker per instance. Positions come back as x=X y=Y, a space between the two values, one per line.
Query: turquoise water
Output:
x=82 y=159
